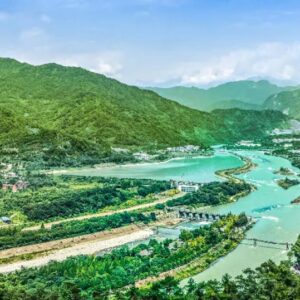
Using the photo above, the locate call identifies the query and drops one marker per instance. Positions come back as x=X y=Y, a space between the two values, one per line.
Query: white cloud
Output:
x=107 y=63
x=276 y=60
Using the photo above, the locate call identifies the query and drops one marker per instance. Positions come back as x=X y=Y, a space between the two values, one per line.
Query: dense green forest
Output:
x=57 y=116
x=287 y=102
x=94 y=277
x=268 y=282
x=212 y=193
x=53 y=197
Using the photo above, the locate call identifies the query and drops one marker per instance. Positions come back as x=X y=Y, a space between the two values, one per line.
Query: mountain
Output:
x=288 y=102
x=238 y=92
x=61 y=115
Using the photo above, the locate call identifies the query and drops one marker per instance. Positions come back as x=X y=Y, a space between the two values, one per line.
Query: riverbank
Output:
x=202 y=262
x=82 y=245
x=46 y=249
x=194 y=267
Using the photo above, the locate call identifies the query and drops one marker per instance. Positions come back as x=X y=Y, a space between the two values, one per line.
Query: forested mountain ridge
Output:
x=288 y=102
x=244 y=94
x=59 y=113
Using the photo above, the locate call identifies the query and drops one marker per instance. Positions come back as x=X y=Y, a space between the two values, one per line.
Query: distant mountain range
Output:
x=246 y=94
x=61 y=115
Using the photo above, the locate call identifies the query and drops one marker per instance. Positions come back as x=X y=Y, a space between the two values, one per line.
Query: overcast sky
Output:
x=154 y=42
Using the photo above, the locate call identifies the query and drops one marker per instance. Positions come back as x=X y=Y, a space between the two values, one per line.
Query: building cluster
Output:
x=143 y=156
x=289 y=131
x=184 y=149
x=248 y=143
x=296 y=151
x=285 y=140
x=11 y=181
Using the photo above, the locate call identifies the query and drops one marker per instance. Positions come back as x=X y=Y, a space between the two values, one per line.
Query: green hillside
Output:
x=61 y=115
x=228 y=95
x=288 y=102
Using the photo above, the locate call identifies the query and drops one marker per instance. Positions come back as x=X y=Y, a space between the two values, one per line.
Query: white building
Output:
x=188 y=188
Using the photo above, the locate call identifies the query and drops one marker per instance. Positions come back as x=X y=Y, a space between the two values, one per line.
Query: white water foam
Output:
x=271 y=218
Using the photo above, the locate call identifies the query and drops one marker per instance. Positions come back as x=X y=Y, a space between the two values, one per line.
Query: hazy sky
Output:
x=152 y=42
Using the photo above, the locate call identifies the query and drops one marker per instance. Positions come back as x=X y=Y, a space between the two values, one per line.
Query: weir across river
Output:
x=201 y=216
x=194 y=215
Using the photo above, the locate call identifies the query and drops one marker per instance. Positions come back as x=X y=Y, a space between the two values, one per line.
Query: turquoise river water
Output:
x=277 y=219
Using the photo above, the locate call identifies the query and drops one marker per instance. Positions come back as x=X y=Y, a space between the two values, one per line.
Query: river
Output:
x=277 y=219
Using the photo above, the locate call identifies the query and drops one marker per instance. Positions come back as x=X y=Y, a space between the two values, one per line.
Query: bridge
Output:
x=256 y=241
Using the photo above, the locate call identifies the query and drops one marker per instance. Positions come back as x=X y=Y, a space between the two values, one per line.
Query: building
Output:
x=188 y=188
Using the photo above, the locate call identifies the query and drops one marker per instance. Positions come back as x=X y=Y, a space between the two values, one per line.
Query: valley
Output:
x=76 y=195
